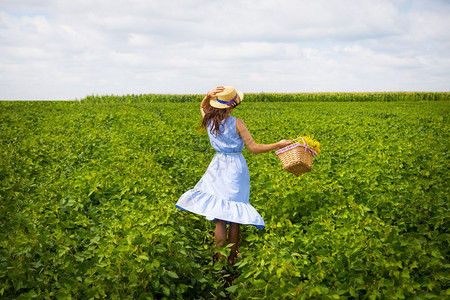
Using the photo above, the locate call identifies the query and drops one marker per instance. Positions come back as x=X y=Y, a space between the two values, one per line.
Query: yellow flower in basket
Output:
x=297 y=158
x=310 y=142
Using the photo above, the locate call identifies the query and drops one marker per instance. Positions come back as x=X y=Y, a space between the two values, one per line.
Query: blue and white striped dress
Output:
x=223 y=191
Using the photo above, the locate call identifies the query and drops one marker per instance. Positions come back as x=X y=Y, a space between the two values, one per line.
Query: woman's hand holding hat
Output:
x=208 y=96
x=215 y=91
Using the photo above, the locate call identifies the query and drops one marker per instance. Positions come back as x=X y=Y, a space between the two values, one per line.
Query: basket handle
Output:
x=314 y=153
x=300 y=138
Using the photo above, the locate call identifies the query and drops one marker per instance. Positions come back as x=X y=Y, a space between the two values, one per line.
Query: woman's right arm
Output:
x=208 y=96
x=252 y=145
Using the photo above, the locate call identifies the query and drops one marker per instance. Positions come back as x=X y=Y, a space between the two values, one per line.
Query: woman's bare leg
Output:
x=233 y=237
x=220 y=234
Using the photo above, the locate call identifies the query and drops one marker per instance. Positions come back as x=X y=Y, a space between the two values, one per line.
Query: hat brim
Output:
x=213 y=102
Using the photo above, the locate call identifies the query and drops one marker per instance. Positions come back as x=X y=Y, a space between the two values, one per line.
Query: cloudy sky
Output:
x=61 y=49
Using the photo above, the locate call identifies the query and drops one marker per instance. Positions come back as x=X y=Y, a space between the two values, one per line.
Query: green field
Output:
x=87 y=195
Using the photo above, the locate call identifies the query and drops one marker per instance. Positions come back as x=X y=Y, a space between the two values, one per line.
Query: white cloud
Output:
x=68 y=49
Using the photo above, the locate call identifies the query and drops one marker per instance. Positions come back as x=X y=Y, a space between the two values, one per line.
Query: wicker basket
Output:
x=296 y=158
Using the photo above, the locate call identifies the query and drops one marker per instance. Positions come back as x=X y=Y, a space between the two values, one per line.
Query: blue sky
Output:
x=58 y=49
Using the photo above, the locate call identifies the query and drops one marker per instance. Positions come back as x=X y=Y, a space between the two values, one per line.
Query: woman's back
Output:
x=228 y=140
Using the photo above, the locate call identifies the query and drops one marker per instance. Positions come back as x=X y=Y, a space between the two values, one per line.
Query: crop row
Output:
x=279 y=97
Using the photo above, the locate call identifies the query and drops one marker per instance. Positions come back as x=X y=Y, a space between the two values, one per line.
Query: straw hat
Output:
x=228 y=97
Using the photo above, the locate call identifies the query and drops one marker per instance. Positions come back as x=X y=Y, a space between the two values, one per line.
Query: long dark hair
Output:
x=216 y=116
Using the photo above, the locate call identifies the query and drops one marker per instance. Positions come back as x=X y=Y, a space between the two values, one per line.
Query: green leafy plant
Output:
x=87 y=194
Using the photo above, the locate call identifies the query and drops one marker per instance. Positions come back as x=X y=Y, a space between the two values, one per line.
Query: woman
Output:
x=222 y=194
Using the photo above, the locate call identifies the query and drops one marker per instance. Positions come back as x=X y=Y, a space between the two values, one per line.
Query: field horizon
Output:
x=299 y=96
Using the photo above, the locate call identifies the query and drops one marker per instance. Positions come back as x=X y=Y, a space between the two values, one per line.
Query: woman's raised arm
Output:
x=208 y=96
